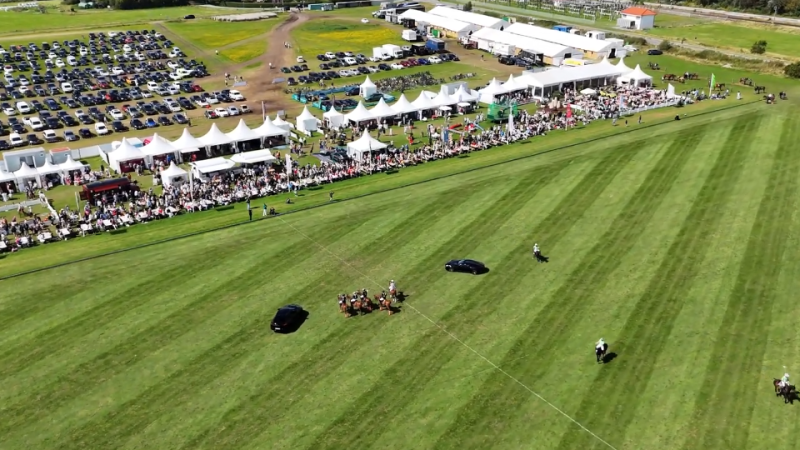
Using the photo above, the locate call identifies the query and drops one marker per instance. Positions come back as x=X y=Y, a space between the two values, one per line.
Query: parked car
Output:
x=70 y=136
x=118 y=126
x=16 y=140
x=85 y=133
x=180 y=119
x=101 y=129
x=654 y=52
x=210 y=114
x=50 y=136
x=288 y=318
x=164 y=121
x=151 y=123
x=465 y=265
x=236 y=96
x=221 y=112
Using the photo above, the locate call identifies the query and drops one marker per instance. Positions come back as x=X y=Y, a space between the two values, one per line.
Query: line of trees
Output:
x=133 y=4
x=779 y=7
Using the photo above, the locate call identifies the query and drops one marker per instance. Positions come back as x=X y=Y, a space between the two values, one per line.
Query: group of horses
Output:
x=359 y=303
x=680 y=78
x=788 y=391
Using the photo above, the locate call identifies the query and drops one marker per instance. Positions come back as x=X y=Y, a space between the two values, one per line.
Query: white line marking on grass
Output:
x=455 y=338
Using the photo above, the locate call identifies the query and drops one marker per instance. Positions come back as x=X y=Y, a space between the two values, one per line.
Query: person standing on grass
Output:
x=249 y=210
x=264 y=210
x=330 y=196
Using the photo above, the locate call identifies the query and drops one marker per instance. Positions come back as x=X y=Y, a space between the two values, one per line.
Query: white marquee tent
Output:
x=577 y=41
x=463 y=94
x=187 y=143
x=493 y=89
x=24 y=173
x=359 y=114
x=333 y=118
x=479 y=20
x=208 y=166
x=554 y=54
x=590 y=75
x=215 y=137
x=70 y=165
x=242 y=133
x=254 y=157
x=403 y=106
x=367 y=88
x=6 y=176
x=125 y=152
x=622 y=67
x=269 y=129
x=364 y=144
x=443 y=98
x=636 y=77
x=173 y=175
x=382 y=110
x=423 y=102
x=447 y=24
x=280 y=123
x=306 y=121
x=48 y=168
x=513 y=85
x=158 y=146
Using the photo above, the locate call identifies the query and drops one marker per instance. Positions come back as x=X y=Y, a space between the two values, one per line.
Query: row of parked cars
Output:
x=315 y=77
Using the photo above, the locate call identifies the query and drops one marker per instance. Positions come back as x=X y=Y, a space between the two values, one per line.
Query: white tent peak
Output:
x=279 y=122
x=26 y=171
x=403 y=106
x=215 y=137
x=242 y=132
x=621 y=66
x=71 y=164
x=367 y=83
x=48 y=167
x=332 y=113
x=158 y=146
x=187 y=142
x=359 y=114
x=268 y=129
x=172 y=171
x=423 y=102
x=306 y=114
x=382 y=110
x=365 y=143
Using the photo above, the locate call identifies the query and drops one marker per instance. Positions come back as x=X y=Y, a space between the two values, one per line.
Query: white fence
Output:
x=28 y=5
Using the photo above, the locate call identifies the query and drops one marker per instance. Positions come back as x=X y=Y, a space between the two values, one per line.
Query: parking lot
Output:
x=108 y=82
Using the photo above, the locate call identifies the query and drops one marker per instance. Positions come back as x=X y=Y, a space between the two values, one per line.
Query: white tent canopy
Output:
x=306 y=121
x=6 y=176
x=463 y=94
x=565 y=75
x=577 y=41
x=158 y=146
x=364 y=144
x=173 y=175
x=254 y=157
x=242 y=133
x=48 y=168
x=70 y=165
x=125 y=152
x=488 y=93
x=621 y=67
x=638 y=75
x=213 y=165
x=280 y=123
x=215 y=137
x=26 y=171
x=403 y=106
x=334 y=118
x=513 y=85
x=423 y=102
x=382 y=110
x=187 y=143
x=443 y=98
x=359 y=114
x=367 y=88
x=269 y=129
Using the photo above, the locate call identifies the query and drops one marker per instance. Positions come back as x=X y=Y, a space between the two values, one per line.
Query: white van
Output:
x=66 y=87
x=16 y=140
x=23 y=108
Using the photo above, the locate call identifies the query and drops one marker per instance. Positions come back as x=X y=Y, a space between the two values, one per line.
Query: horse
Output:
x=788 y=391
x=760 y=89
x=600 y=353
x=358 y=308
x=654 y=66
x=384 y=304
x=343 y=306
x=719 y=86
x=368 y=305
x=668 y=77
x=746 y=81
x=681 y=79
x=393 y=295
x=693 y=76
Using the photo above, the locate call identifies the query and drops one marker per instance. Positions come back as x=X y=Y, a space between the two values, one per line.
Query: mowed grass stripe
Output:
x=732 y=381
x=245 y=420
x=151 y=338
x=648 y=327
x=557 y=319
x=435 y=349
x=116 y=427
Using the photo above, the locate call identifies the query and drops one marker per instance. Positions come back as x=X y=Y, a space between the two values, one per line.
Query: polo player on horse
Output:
x=600 y=349
x=393 y=290
x=784 y=380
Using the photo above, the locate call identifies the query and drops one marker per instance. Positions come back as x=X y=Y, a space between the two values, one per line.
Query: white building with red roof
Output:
x=636 y=18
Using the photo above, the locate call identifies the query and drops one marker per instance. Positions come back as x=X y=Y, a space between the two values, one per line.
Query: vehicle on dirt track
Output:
x=465 y=265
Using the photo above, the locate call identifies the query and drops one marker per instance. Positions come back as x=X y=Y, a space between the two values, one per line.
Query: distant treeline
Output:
x=769 y=7
x=132 y=4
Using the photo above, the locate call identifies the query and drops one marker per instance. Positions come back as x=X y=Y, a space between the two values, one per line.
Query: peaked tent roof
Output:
x=6 y=176
x=638 y=11
x=253 y=157
x=464 y=95
x=242 y=133
x=423 y=102
x=621 y=66
x=172 y=171
x=493 y=88
x=158 y=146
x=215 y=137
x=366 y=143
x=367 y=83
x=306 y=114
x=403 y=106
x=637 y=74
x=48 y=168
x=126 y=152
x=359 y=114
x=332 y=113
x=443 y=98
x=26 y=171
x=70 y=164
x=382 y=110
x=269 y=129
x=213 y=165
x=281 y=123
x=513 y=85
x=187 y=143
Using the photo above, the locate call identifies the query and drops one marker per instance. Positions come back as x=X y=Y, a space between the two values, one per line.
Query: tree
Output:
x=665 y=46
x=467 y=6
x=792 y=70
x=759 y=47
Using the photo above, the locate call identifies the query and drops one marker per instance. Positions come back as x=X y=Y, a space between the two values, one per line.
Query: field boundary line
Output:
x=453 y=337
x=356 y=197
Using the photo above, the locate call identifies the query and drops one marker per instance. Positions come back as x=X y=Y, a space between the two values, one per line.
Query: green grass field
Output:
x=741 y=38
x=317 y=37
x=677 y=243
x=210 y=34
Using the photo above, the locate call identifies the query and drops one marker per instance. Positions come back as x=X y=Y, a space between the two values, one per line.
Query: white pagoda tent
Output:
x=6 y=176
x=359 y=114
x=513 y=85
x=306 y=122
x=636 y=77
x=25 y=173
x=463 y=94
x=488 y=93
x=124 y=153
x=242 y=133
x=48 y=168
x=201 y=169
x=70 y=164
x=364 y=144
x=367 y=88
x=254 y=157
x=173 y=175
x=333 y=118
x=269 y=129
x=382 y=110
x=443 y=98
x=187 y=143
x=279 y=122
x=423 y=102
x=622 y=68
x=158 y=146
x=403 y=106
x=215 y=137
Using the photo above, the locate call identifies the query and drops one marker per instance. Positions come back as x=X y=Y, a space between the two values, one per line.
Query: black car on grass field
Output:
x=288 y=318
x=465 y=265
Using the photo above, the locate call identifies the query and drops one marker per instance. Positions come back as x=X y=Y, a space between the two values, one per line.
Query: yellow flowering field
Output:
x=313 y=38
x=245 y=52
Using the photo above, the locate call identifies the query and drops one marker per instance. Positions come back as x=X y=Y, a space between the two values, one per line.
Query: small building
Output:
x=547 y=52
x=636 y=18
x=437 y=26
x=478 y=20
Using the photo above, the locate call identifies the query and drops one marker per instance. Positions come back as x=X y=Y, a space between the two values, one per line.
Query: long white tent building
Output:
x=479 y=20
x=553 y=54
x=594 y=48
x=448 y=26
